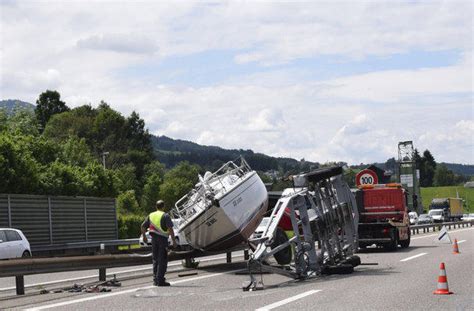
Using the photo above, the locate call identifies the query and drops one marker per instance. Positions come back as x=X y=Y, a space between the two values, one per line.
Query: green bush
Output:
x=129 y=226
x=127 y=203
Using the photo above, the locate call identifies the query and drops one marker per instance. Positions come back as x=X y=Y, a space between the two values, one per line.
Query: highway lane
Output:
x=394 y=284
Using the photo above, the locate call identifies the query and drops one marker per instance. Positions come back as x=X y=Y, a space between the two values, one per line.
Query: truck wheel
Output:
x=406 y=243
x=392 y=246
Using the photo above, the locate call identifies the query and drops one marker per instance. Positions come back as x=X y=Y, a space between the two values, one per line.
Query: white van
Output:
x=437 y=215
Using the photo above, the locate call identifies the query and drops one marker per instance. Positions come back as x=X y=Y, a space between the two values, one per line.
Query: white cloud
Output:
x=394 y=85
x=79 y=49
x=121 y=43
x=360 y=140
x=266 y=120
x=451 y=142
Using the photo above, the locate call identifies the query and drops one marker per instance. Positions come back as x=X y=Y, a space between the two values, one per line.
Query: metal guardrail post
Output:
x=246 y=254
x=229 y=257
x=102 y=271
x=102 y=274
x=20 y=284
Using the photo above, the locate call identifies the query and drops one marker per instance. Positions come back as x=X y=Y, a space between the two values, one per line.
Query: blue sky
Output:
x=218 y=66
x=325 y=81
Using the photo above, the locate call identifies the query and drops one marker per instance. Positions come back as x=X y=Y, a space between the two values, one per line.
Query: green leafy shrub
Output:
x=129 y=226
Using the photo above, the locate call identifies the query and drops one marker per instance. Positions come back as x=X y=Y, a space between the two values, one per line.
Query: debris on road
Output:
x=187 y=274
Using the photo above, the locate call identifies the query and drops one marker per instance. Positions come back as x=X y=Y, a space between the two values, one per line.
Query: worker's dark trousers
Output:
x=160 y=257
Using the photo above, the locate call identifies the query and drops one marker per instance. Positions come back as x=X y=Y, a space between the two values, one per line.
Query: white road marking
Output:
x=436 y=234
x=413 y=257
x=70 y=302
x=176 y=263
x=462 y=241
x=287 y=300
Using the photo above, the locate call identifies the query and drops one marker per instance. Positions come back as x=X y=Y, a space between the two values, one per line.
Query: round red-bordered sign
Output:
x=366 y=177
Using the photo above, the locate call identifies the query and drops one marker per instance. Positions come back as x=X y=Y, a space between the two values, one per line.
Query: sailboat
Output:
x=223 y=209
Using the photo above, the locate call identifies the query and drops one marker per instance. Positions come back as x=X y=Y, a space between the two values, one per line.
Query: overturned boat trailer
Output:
x=322 y=210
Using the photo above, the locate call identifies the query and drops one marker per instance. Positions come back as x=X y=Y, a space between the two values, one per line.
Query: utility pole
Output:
x=103 y=158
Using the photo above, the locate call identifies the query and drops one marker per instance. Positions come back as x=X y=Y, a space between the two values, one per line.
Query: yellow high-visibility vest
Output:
x=155 y=223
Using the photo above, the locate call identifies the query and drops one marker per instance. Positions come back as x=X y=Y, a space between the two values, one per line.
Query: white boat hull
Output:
x=231 y=223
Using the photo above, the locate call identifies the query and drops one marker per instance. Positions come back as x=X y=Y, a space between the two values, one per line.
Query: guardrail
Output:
x=426 y=228
x=21 y=267
x=84 y=245
x=28 y=266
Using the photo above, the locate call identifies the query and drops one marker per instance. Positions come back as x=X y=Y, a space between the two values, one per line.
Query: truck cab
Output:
x=383 y=216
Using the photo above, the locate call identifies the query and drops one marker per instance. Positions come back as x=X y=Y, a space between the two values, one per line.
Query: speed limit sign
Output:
x=366 y=177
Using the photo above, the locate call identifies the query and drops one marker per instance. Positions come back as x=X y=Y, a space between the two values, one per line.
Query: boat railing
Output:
x=198 y=199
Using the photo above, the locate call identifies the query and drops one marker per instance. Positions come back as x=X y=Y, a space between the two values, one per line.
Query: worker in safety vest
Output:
x=160 y=227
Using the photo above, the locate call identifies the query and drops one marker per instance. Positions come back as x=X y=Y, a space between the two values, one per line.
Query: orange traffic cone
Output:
x=455 y=247
x=442 y=282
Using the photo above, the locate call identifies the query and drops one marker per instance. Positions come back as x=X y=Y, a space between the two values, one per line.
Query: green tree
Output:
x=48 y=104
x=22 y=122
x=154 y=173
x=61 y=179
x=151 y=192
x=139 y=137
x=392 y=165
x=97 y=181
x=177 y=182
x=127 y=203
x=3 y=119
x=109 y=130
x=443 y=176
x=126 y=178
x=427 y=169
x=78 y=122
x=19 y=171
x=75 y=151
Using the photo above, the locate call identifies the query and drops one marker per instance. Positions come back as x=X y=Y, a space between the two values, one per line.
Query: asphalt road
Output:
x=402 y=280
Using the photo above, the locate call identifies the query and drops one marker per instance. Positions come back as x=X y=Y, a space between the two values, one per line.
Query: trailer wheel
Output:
x=406 y=243
x=283 y=257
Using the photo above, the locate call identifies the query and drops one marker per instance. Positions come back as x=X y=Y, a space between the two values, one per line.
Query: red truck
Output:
x=383 y=216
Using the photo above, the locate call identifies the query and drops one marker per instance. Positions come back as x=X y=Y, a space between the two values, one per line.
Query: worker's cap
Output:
x=160 y=204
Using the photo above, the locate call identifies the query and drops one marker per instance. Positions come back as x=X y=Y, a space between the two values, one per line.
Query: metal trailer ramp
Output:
x=324 y=217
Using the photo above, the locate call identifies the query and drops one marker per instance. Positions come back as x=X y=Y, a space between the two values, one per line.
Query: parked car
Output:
x=467 y=217
x=413 y=218
x=424 y=219
x=13 y=244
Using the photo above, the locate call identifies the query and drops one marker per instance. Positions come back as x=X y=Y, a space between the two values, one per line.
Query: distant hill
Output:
x=171 y=151
x=11 y=104
x=463 y=169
